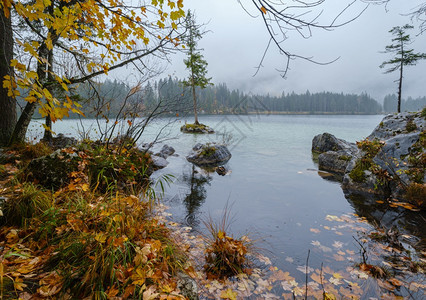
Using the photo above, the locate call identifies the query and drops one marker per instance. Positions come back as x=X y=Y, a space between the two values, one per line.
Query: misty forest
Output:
x=145 y=154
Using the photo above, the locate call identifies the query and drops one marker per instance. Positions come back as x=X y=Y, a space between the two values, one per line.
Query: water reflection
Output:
x=382 y=215
x=196 y=181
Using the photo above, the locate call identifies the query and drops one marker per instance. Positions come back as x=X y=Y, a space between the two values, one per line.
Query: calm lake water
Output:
x=274 y=190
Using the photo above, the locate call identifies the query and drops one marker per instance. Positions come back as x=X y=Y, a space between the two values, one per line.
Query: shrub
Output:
x=371 y=148
x=416 y=194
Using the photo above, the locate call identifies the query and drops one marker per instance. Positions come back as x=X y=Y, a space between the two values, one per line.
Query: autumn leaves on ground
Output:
x=95 y=233
x=90 y=237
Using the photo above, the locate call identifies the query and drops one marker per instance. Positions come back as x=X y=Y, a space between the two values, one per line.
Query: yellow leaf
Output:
x=337 y=275
x=19 y=284
x=263 y=9
x=100 y=237
x=221 y=234
x=85 y=187
x=228 y=294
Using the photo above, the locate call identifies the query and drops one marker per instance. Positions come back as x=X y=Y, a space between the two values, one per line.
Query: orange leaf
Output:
x=263 y=9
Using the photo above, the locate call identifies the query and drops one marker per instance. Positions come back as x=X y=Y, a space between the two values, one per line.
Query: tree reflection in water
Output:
x=196 y=181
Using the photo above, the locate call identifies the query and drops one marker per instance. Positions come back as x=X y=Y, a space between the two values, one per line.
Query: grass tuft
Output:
x=225 y=255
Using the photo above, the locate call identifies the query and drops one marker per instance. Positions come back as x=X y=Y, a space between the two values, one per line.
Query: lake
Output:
x=273 y=190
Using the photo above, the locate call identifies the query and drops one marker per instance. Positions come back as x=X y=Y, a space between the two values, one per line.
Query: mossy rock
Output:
x=209 y=154
x=52 y=171
x=196 y=128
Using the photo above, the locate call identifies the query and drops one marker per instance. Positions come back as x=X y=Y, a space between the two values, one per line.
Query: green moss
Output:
x=357 y=173
x=345 y=157
x=208 y=151
x=195 y=128
x=381 y=124
x=411 y=126
x=423 y=113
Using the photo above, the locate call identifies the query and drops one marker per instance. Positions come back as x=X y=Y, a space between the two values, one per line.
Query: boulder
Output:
x=389 y=162
x=395 y=124
x=210 y=154
x=166 y=151
x=52 y=171
x=328 y=142
x=333 y=161
x=159 y=162
x=335 y=153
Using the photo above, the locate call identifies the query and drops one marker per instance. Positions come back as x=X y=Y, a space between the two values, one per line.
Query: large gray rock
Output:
x=328 y=142
x=391 y=168
x=335 y=153
x=209 y=154
x=395 y=124
x=333 y=161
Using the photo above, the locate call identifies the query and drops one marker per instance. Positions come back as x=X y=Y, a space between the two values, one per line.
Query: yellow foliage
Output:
x=85 y=28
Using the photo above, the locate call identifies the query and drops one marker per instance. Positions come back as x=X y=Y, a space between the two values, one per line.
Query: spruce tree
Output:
x=403 y=56
x=195 y=63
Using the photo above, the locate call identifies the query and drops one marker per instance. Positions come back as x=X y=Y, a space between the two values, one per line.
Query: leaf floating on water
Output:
x=303 y=269
x=333 y=218
x=229 y=294
x=335 y=281
x=264 y=259
x=338 y=257
x=289 y=259
x=337 y=244
x=314 y=230
x=316 y=243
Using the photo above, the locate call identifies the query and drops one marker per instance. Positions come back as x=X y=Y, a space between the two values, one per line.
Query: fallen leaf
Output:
x=228 y=294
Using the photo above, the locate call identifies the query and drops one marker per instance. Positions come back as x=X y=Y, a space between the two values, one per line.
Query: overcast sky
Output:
x=236 y=43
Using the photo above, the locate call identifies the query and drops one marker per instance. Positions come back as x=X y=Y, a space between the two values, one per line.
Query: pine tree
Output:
x=195 y=63
x=403 y=56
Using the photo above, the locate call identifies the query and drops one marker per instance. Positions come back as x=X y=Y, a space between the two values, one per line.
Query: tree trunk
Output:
x=7 y=103
x=24 y=120
x=47 y=137
x=400 y=86
x=194 y=97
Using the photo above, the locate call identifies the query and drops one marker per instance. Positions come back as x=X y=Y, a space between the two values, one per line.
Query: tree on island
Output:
x=195 y=63
x=403 y=56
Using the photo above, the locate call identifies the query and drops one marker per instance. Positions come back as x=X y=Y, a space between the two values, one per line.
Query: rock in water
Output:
x=389 y=162
x=335 y=153
x=166 y=151
x=210 y=154
x=328 y=142
x=159 y=162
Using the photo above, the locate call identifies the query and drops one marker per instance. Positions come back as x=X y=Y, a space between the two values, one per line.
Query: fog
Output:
x=235 y=44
